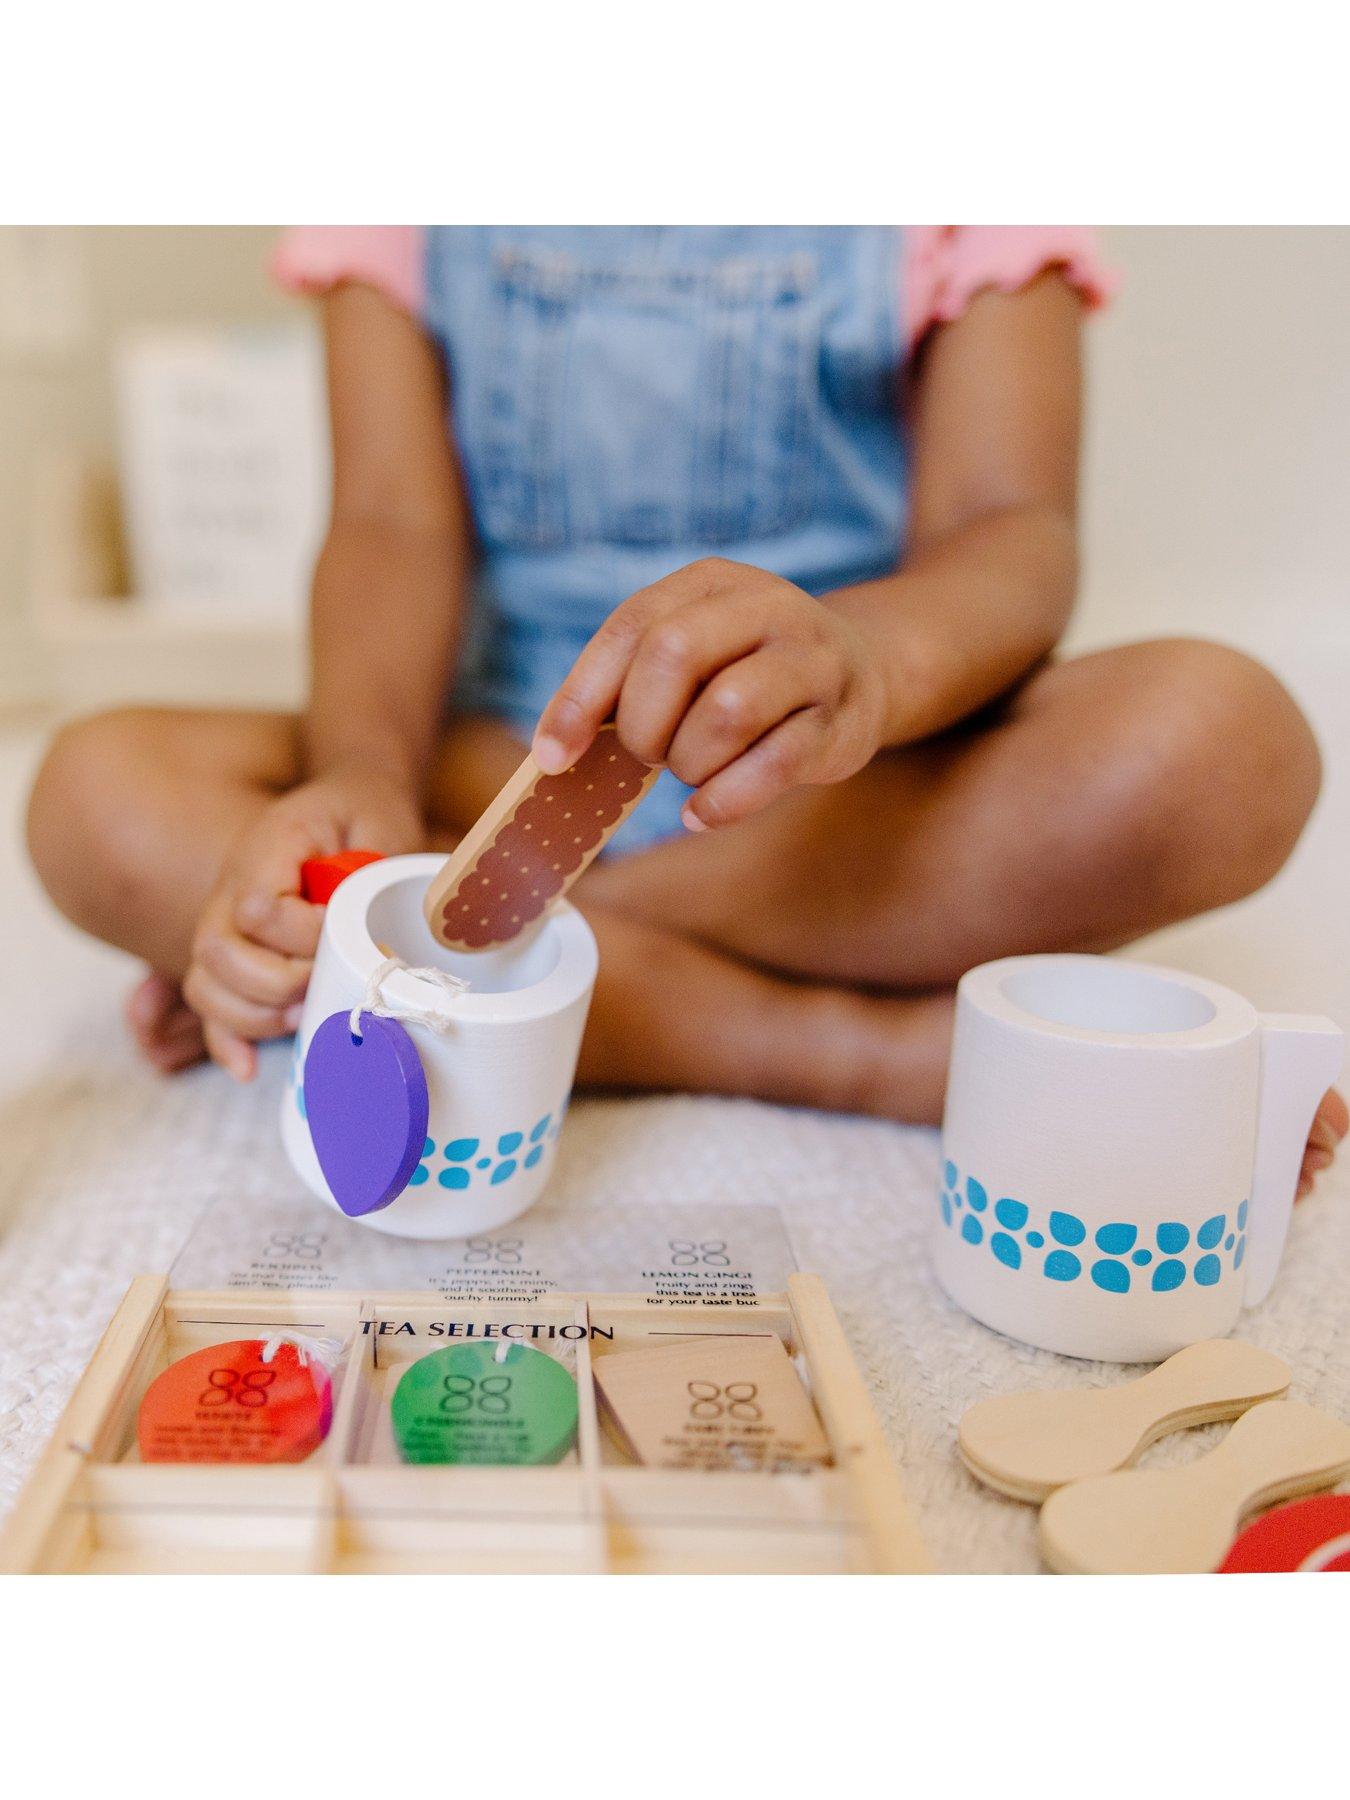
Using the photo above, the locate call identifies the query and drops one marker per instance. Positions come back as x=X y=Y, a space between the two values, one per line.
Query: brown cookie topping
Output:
x=554 y=830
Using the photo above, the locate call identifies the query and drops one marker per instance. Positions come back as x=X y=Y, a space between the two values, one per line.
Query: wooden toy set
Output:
x=291 y=1431
x=639 y=1395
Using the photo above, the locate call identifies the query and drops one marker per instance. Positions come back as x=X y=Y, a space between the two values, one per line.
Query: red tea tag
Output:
x=226 y=1404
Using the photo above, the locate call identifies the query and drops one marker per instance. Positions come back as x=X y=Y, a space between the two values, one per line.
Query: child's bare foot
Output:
x=1328 y=1128
x=167 y=1031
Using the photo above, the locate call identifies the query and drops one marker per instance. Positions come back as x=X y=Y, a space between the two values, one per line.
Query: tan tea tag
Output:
x=715 y=1403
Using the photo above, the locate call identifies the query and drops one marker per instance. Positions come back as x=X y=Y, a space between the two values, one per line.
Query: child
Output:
x=795 y=504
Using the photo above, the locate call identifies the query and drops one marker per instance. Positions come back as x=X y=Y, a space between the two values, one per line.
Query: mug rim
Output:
x=344 y=926
x=1233 y=1016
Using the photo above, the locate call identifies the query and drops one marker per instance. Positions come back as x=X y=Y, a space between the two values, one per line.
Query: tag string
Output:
x=326 y=1351
x=433 y=1017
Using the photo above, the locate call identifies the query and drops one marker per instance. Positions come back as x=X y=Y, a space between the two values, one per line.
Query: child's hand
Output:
x=255 y=941
x=740 y=682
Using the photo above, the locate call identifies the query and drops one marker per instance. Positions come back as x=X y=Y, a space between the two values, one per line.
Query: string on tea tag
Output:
x=431 y=1016
x=326 y=1351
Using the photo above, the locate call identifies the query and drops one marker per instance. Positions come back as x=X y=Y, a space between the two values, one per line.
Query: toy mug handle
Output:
x=1301 y=1056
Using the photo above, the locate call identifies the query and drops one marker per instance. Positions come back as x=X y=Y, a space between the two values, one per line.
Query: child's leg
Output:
x=1108 y=797
x=133 y=811
x=130 y=819
x=808 y=955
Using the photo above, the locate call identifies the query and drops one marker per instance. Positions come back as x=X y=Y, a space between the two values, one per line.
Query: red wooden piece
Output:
x=1308 y=1536
x=321 y=876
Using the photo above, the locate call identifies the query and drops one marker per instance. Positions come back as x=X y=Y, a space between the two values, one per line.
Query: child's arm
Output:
x=390 y=583
x=386 y=607
x=748 y=687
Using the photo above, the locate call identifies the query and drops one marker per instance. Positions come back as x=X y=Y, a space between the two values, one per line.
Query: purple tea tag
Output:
x=366 y=1102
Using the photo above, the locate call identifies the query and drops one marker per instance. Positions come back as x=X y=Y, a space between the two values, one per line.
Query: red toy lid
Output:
x=321 y=876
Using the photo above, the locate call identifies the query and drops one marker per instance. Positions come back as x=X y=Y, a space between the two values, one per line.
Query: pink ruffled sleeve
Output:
x=314 y=259
x=945 y=266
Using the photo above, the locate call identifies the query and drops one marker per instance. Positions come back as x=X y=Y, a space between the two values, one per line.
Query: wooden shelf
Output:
x=103 y=647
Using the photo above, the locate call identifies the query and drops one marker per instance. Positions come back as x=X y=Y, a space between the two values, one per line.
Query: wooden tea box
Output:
x=354 y=1506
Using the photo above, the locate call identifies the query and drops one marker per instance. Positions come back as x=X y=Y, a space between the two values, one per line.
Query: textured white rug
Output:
x=103 y=1170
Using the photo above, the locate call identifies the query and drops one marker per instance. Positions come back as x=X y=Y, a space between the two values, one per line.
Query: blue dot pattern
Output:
x=1062 y=1265
x=459 y=1154
x=1113 y=1276
x=962 y=1200
x=1006 y=1249
x=1115 y=1239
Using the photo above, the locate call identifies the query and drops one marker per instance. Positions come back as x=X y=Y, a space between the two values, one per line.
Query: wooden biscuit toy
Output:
x=1182 y=1521
x=539 y=834
x=1027 y=1445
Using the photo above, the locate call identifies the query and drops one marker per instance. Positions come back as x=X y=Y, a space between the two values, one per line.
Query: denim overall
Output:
x=627 y=399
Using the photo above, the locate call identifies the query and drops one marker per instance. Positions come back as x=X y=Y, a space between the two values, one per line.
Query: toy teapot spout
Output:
x=1301 y=1056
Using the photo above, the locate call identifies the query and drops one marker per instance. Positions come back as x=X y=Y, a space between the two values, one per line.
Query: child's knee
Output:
x=82 y=824
x=1235 y=766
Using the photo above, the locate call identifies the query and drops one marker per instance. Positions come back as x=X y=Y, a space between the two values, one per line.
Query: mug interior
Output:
x=1095 y=994
x=397 y=927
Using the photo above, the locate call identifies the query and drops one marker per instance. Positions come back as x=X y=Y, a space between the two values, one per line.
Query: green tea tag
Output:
x=485 y=1403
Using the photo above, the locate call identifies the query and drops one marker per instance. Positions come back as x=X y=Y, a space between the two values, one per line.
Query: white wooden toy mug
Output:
x=1120 y=1149
x=492 y=1085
